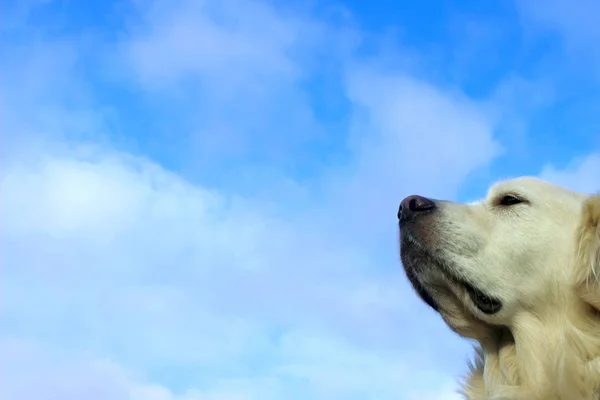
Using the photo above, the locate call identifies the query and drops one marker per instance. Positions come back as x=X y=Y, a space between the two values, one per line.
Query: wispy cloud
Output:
x=581 y=174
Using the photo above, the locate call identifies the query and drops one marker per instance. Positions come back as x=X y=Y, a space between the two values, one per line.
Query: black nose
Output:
x=414 y=205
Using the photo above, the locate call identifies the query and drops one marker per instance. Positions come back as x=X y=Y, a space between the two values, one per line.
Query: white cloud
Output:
x=408 y=137
x=110 y=255
x=580 y=24
x=134 y=263
x=417 y=127
x=341 y=373
x=244 y=40
x=583 y=174
x=240 y=69
x=578 y=28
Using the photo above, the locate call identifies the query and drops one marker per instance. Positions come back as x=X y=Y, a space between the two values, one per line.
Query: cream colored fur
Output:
x=541 y=258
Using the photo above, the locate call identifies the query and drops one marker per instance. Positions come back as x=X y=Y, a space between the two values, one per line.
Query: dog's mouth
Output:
x=412 y=262
x=485 y=303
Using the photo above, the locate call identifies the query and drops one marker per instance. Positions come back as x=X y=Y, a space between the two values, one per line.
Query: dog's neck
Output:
x=547 y=357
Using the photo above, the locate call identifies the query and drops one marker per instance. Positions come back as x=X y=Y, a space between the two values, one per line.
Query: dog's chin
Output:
x=420 y=266
x=422 y=292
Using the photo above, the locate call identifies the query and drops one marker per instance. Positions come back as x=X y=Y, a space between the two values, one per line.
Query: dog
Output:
x=519 y=273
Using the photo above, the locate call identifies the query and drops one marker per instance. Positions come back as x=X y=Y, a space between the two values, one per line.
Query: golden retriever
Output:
x=519 y=272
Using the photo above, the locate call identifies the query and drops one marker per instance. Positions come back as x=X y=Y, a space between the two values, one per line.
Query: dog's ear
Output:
x=589 y=252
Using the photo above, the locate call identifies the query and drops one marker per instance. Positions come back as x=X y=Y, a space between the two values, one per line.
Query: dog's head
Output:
x=510 y=265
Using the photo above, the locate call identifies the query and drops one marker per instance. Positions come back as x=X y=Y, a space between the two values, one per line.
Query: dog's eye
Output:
x=509 y=200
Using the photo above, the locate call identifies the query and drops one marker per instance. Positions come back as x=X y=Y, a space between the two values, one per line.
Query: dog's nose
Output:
x=414 y=205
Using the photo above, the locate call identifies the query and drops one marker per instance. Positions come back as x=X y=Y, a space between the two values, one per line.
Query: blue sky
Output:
x=200 y=196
